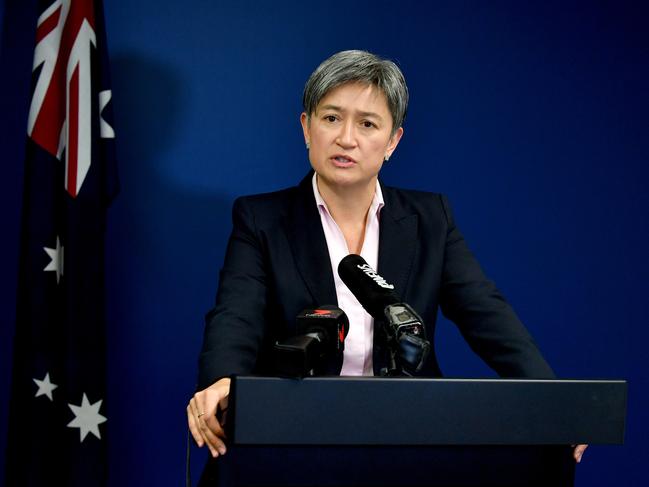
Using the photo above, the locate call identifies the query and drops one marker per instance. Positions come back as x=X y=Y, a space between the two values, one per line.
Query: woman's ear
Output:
x=393 y=142
x=304 y=120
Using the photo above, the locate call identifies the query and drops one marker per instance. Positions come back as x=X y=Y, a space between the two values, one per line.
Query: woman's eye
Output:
x=367 y=124
x=330 y=118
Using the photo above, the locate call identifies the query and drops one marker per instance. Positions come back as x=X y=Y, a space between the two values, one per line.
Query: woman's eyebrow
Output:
x=370 y=114
x=336 y=108
x=332 y=107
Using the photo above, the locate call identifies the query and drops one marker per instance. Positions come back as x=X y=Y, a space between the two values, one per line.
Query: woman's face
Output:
x=349 y=136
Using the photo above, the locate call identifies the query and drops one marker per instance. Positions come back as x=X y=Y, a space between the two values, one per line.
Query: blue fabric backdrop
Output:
x=534 y=119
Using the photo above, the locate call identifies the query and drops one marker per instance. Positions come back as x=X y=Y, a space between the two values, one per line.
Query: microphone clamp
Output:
x=406 y=337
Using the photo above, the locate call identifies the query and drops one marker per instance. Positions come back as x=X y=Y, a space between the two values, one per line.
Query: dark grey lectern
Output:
x=424 y=432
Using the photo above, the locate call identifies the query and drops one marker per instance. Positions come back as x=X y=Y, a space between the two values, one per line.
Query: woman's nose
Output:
x=346 y=137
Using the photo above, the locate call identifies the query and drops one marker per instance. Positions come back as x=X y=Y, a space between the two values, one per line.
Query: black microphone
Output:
x=372 y=291
x=320 y=333
x=405 y=330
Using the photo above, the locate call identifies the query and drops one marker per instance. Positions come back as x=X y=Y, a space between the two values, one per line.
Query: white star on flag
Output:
x=56 y=264
x=87 y=418
x=45 y=387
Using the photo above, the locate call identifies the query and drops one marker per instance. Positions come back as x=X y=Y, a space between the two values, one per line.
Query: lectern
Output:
x=421 y=432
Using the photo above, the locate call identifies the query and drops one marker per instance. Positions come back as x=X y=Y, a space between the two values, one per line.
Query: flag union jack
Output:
x=61 y=106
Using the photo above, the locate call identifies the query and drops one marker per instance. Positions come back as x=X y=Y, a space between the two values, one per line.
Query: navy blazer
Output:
x=277 y=264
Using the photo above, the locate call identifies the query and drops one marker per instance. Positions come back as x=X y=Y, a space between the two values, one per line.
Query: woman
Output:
x=285 y=248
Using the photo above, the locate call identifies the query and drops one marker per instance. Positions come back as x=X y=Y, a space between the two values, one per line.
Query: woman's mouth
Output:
x=343 y=161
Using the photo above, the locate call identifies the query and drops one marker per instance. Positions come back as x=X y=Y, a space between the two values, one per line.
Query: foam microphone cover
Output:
x=372 y=291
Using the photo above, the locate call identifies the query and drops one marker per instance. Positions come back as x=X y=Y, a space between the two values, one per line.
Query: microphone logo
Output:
x=319 y=313
x=341 y=334
x=369 y=272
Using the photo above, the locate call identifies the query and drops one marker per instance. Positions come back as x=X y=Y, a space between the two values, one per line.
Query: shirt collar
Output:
x=375 y=207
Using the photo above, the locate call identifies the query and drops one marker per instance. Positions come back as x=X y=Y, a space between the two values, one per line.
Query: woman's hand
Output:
x=578 y=452
x=202 y=413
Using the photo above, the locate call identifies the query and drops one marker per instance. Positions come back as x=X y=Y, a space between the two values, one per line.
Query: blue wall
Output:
x=534 y=119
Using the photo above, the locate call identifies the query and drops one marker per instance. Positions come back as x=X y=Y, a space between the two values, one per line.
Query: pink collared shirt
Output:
x=357 y=358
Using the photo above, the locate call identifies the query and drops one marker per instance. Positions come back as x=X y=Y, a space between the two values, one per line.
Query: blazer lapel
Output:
x=397 y=242
x=309 y=246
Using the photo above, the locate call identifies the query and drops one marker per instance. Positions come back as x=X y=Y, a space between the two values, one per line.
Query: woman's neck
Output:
x=348 y=205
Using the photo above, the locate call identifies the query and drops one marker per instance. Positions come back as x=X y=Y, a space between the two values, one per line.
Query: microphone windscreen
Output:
x=372 y=291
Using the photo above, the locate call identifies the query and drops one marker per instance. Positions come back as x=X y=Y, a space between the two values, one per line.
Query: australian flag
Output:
x=57 y=430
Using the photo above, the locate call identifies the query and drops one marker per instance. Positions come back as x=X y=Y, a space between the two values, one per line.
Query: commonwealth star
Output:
x=87 y=418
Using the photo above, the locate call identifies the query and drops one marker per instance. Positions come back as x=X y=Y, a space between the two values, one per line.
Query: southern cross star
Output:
x=45 y=387
x=56 y=264
x=87 y=418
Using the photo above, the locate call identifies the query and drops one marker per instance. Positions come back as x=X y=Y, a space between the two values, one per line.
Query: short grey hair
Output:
x=361 y=67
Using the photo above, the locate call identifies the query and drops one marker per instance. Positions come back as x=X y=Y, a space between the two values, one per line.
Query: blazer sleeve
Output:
x=234 y=328
x=485 y=319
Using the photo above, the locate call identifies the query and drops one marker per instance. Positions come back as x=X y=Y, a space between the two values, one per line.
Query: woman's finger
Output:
x=195 y=413
x=216 y=444
x=579 y=452
x=193 y=427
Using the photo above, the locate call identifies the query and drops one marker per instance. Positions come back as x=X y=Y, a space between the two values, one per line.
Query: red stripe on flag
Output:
x=48 y=25
x=72 y=147
x=47 y=127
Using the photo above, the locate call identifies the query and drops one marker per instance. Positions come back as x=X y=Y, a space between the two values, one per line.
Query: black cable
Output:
x=188 y=472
